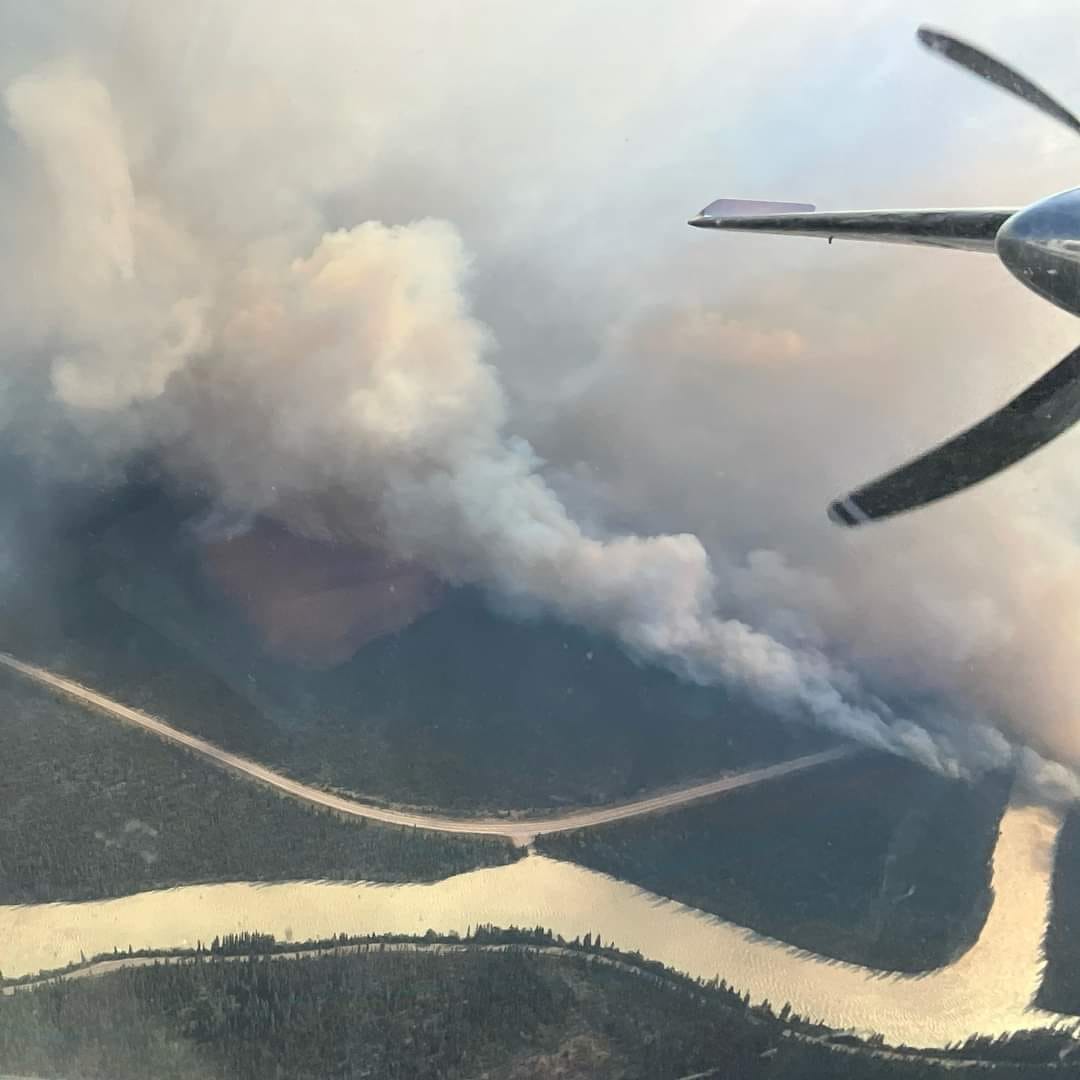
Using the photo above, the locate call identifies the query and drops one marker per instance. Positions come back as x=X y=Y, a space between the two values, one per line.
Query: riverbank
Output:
x=987 y=991
x=614 y=1014
x=94 y=809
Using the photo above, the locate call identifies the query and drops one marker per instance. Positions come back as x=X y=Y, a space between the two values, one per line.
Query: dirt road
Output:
x=521 y=831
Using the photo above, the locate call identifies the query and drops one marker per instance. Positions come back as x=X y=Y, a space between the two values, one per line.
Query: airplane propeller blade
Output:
x=1048 y=407
x=996 y=72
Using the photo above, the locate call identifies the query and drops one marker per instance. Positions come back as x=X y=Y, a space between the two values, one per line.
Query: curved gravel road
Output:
x=520 y=830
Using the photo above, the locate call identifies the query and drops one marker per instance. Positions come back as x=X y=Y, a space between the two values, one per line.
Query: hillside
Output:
x=507 y=1005
x=463 y=709
x=872 y=860
x=94 y=809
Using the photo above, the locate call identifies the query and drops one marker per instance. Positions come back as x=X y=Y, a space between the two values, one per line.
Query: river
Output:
x=988 y=990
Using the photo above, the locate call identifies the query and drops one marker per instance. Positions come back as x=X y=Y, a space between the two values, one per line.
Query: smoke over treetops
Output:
x=194 y=275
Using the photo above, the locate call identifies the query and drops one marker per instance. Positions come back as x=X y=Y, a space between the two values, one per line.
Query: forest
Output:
x=94 y=808
x=1061 y=979
x=873 y=860
x=537 y=1007
x=467 y=710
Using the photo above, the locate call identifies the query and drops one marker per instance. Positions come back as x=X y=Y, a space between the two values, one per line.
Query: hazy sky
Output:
x=429 y=266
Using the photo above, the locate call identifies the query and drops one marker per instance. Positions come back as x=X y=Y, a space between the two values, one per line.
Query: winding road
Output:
x=990 y=989
x=520 y=831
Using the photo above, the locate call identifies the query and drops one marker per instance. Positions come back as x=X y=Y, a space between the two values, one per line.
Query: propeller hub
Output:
x=1041 y=247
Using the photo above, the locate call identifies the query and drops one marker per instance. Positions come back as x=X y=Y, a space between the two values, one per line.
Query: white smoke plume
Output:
x=197 y=278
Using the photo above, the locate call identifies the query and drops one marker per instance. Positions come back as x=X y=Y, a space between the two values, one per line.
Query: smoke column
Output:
x=205 y=303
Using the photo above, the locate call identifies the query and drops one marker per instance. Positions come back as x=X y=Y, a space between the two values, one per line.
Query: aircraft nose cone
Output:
x=1041 y=247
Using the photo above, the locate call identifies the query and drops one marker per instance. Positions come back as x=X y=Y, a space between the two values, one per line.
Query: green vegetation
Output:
x=504 y=1005
x=464 y=710
x=93 y=808
x=1061 y=979
x=871 y=860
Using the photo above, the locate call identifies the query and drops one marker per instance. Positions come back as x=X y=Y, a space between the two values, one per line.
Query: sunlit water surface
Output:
x=988 y=990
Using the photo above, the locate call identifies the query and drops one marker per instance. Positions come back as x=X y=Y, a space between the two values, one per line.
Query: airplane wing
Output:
x=968 y=230
x=1048 y=407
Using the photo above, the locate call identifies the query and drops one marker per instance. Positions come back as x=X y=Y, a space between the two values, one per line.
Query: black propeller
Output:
x=996 y=72
x=1048 y=407
x=1039 y=244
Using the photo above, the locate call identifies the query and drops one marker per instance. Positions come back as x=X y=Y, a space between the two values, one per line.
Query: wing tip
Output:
x=734 y=208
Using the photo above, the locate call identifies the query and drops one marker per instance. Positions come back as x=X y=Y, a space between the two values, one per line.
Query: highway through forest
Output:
x=519 y=830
